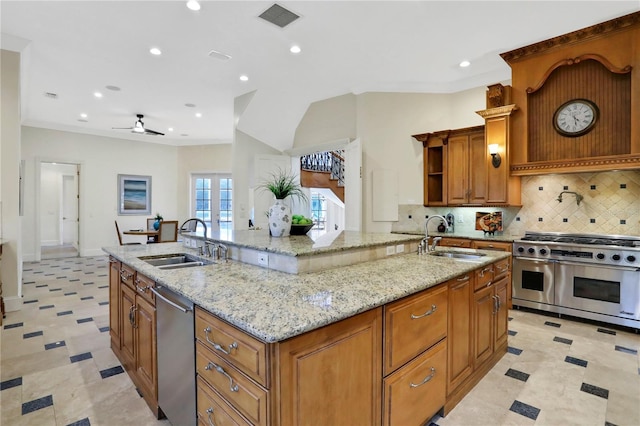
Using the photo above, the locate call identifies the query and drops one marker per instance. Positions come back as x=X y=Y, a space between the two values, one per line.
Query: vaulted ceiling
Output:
x=72 y=49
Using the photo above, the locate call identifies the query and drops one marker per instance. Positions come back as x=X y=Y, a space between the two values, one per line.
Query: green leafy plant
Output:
x=158 y=217
x=282 y=185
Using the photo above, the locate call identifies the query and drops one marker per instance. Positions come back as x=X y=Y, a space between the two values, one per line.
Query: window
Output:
x=318 y=210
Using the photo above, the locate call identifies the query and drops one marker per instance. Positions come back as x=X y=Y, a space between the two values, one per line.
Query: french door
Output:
x=212 y=201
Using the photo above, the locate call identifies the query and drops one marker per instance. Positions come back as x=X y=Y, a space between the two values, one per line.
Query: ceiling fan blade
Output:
x=152 y=132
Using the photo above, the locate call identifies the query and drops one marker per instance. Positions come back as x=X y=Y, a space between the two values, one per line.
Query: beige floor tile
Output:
x=58 y=381
x=623 y=408
x=32 y=363
x=43 y=417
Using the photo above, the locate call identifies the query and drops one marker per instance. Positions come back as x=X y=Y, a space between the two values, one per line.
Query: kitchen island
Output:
x=332 y=344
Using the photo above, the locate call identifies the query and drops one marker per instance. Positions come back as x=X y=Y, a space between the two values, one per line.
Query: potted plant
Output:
x=156 y=224
x=282 y=185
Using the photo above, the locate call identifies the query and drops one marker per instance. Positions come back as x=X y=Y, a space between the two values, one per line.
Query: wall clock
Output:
x=575 y=117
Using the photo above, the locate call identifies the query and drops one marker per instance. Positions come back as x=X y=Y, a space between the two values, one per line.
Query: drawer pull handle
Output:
x=485 y=270
x=232 y=387
x=429 y=312
x=465 y=278
x=426 y=379
x=209 y=413
x=216 y=346
x=141 y=289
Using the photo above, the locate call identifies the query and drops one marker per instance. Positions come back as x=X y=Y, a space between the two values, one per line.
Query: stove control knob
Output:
x=615 y=257
x=520 y=249
x=631 y=259
x=600 y=256
x=531 y=250
x=543 y=251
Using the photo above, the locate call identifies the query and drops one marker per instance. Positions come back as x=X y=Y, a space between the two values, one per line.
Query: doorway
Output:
x=59 y=210
x=213 y=202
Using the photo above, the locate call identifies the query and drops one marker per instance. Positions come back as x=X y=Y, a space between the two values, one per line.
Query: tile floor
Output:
x=57 y=367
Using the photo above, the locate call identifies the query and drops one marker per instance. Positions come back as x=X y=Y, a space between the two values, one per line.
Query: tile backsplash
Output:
x=611 y=205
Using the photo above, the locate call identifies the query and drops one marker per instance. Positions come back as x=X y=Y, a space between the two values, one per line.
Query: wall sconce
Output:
x=495 y=157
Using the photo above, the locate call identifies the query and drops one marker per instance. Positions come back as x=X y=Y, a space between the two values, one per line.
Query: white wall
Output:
x=245 y=148
x=328 y=120
x=10 y=229
x=101 y=159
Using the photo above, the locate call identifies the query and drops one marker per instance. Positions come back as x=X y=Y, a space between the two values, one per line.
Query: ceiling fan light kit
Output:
x=138 y=127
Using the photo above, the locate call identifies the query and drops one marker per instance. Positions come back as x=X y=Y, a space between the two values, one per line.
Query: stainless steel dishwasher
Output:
x=176 y=357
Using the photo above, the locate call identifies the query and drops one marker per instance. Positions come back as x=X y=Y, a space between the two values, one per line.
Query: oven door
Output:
x=533 y=280
x=601 y=289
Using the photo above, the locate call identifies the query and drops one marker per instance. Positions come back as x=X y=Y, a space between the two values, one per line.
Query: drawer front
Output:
x=238 y=390
x=244 y=352
x=501 y=268
x=413 y=394
x=455 y=242
x=213 y=410
x=127 y=275
x=491 y=245
x=412 y=325
x=484 y=277
x=143 y=288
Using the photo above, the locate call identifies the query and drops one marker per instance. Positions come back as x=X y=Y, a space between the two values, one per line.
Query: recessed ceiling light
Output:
x=295 y=49
x=155 y=51
x=193 y=5
x=114 y=88
x=190 y=105
x=198 y=114
x=464 y=64
x=97 y=94
x=244 y=78
x=83 y=115
x=170 y=129
x=184 y=134
x=219 y=55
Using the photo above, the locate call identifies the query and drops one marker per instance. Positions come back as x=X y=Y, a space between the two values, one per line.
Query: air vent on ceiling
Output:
x=279 y=16
x=50 y=95
x=219 y=55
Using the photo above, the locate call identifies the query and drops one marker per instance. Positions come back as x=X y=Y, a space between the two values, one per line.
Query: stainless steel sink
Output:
x=175 y=261
x=457 y=255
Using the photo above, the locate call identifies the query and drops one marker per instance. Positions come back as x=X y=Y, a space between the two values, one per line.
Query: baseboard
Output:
x=47 y=243
x=92 y=253
x=12 y=304
x=29 y=257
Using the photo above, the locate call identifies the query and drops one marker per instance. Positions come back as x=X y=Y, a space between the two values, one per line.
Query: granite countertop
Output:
x=304 y=245
x=274 y=306
x=471 y=235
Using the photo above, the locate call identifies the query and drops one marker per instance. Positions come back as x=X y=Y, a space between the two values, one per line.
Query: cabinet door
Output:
x=478 y=164
x=145 y=327
x=459 y=336
x=333 y=375
x=457 y=170
x=127 y=336
x=502 y=313
x=483 y=312
x=114 y=303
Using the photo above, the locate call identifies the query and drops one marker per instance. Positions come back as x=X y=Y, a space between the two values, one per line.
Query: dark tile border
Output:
x=562 y=340
x=111 y=371
x=80 y=357
x=518 y=375
x=595 y=390
x=11 y=383
x=37 y=404
x=525 y=410
x=54 y=345
x=576 y=361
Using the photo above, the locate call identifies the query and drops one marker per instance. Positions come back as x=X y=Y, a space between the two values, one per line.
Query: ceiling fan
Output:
x=138 y=127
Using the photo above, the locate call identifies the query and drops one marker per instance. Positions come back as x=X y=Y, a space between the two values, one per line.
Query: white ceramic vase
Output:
x=279 y=219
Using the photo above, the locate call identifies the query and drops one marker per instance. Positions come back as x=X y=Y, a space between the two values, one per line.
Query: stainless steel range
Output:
x=583 y=275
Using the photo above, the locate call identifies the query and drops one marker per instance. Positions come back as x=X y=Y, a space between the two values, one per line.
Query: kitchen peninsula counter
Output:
x=274 y=306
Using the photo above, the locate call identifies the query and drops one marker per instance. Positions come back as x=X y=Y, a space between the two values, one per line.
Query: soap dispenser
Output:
x=451 y=222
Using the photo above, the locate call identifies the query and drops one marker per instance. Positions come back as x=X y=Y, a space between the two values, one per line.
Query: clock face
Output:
x=576 y=117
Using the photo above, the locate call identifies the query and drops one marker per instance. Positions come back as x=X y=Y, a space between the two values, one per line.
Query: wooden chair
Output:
x=168 y=231
x=120 y=236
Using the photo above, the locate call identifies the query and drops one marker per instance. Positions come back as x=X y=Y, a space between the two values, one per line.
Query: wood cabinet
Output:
x=435 y=171
x=490 y=319
x=132 y=323
x=502 y=267
x=467 y=168
x=459 y=335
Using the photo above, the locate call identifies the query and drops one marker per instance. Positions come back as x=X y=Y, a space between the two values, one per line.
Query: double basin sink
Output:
x=175 y=261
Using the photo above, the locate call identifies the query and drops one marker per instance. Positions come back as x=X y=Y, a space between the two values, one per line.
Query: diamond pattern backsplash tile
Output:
x=614 y=204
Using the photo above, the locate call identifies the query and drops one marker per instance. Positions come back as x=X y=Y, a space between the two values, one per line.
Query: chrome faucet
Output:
x=223 y=252
x=196 y=219
x=425 y=240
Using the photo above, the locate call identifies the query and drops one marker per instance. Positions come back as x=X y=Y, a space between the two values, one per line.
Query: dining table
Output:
x=144 y=232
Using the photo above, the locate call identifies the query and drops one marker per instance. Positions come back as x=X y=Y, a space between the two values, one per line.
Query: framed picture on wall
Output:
x=134 y=195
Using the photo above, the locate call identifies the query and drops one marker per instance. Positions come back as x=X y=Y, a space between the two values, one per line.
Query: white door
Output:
x=213 y=201
x=353 y=186
x=70 y=210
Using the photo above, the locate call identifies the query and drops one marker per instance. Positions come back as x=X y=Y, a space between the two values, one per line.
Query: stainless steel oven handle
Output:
x=595 y=265
x=164 y=299
x=531 y=259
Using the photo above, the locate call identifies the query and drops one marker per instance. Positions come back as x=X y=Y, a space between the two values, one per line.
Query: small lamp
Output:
x=495 y=157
